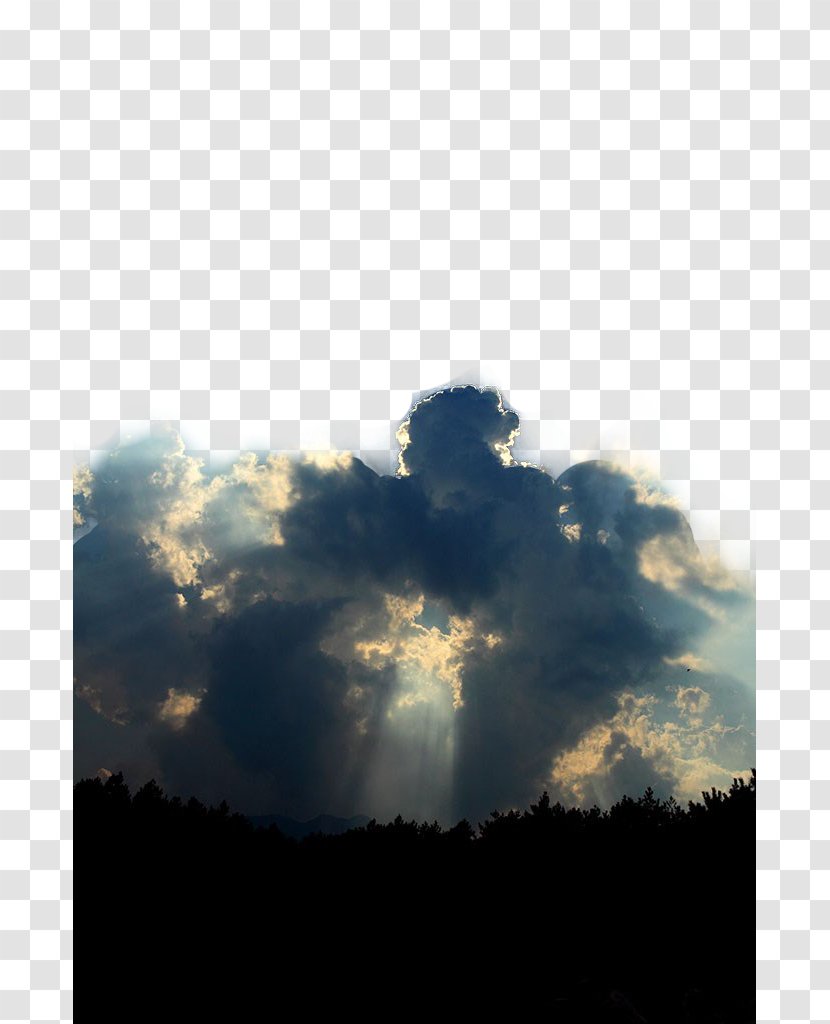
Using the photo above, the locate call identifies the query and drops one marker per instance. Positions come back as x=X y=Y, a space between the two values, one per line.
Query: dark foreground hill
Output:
x=325 y=824
x=643 y=912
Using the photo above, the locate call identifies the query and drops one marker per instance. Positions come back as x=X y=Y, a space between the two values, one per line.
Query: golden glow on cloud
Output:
x=593 y=755
x=271 y=491
x=692 y=701
x=221 y=594
x=683 y=750
x=243 y=506
x=179 y=706
x=172 y=534
x=502 y=448
x=329 y=460
x=428 y=659
x=674 y=562
x=403 y=439
x=647 y=492
x=82 y=487
x=403 y=609
x=572 y=532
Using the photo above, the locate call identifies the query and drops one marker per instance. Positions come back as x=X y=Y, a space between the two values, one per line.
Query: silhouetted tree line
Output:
x=98 y=801
x=641 y=912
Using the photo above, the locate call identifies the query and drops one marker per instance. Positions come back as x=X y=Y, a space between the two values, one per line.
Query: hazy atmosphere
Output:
x=305 y=636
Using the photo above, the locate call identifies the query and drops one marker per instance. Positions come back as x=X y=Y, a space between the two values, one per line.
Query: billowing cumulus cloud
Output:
x=305 y=635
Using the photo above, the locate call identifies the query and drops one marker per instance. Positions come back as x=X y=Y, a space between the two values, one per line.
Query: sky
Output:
x=301 y=635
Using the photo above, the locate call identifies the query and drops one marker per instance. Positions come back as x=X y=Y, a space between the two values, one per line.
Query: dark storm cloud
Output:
x=257 y=634
x=277 y=701
x=131 y=643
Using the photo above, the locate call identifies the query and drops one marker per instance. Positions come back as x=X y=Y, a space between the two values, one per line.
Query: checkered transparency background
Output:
x=272 y=225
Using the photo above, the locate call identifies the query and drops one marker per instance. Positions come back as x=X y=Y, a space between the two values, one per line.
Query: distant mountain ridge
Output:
x=328 y=824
